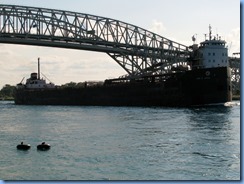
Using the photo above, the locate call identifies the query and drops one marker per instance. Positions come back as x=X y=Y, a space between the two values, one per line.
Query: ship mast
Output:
x=210 y=32
x=39 y=68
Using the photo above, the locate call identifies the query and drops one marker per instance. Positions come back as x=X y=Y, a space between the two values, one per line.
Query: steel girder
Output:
x=138 y=51
x=235 y=66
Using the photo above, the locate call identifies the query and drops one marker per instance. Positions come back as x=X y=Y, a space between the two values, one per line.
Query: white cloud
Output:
x=233 y=40
x=158 y=27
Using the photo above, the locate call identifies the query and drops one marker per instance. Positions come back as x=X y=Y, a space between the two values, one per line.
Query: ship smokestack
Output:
x=39 y=68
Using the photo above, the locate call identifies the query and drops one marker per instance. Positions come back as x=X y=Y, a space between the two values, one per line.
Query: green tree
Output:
x=7 y=91
x=70 y=84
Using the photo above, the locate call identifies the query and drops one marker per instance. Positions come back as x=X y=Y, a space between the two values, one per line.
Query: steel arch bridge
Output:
x=138 y=51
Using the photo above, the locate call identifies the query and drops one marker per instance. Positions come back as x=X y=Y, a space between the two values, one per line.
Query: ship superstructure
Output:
x=211 y=53
x=35 y=81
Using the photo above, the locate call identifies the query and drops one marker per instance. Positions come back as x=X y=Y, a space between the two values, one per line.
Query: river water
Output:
x=120 y=143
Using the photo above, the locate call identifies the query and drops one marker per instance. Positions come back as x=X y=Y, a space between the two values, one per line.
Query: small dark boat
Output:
x=43 y=146
x=23 y=146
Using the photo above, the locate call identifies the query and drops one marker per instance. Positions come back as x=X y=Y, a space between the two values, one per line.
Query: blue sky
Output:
x=174 y=19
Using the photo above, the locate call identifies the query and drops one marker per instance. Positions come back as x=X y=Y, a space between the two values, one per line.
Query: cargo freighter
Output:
x=208 y=81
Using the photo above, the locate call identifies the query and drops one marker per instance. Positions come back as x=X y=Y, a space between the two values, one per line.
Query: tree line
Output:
x=7 y=92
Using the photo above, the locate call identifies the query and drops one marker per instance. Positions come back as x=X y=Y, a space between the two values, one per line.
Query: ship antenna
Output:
x=210 y=32
x=194 y=38
x=205 y=36
x=39 y=68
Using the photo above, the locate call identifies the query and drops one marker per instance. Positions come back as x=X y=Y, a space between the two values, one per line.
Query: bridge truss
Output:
x=138 y=51
x=235 y=66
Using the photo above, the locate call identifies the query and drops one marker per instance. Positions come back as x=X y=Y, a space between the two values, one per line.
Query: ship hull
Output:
x=188 y=88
